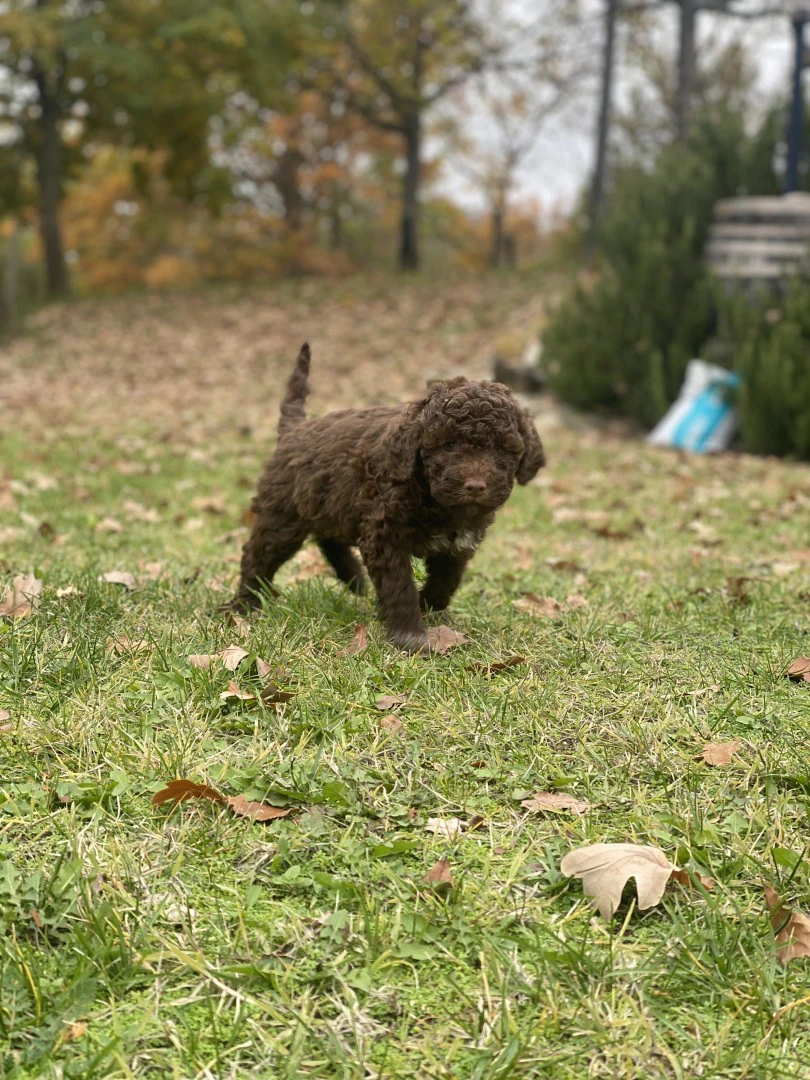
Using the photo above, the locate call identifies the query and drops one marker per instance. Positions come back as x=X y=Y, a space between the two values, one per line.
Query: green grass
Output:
x=185 y=941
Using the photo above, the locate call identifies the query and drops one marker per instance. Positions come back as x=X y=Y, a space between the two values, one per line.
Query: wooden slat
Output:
x=755 y=249
x=758 y=230
x=752 y=271
x=772 y=207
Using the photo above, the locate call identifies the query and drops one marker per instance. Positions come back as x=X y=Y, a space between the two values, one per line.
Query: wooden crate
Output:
x=760 y=239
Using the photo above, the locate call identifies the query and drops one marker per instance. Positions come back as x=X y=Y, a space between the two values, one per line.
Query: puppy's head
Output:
x=473 y=441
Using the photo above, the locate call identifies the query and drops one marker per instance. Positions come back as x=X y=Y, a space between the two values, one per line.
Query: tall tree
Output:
x=135 y=71
x=597 y=193
x=392 y=62
x=510 y=110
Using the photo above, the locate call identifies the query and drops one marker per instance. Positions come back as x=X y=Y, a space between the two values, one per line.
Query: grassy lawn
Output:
x=184 y=940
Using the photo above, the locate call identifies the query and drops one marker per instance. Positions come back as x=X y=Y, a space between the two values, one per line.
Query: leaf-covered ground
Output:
x=408 y=917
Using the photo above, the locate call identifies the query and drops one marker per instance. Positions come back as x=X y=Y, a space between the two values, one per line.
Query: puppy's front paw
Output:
x=412 y=641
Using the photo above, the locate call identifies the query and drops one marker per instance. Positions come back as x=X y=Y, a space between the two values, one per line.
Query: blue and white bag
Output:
x=703 y=419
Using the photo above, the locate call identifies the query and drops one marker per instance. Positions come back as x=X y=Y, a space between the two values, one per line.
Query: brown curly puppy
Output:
x=423 y=479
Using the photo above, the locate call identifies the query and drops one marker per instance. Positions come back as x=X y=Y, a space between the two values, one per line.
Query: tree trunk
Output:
x=50 y=177
x=288 y=183
x=795 y=125
x=686 y=68
x=497 y=235
x=603 y=125
x=409 y=221
x=336 y=219
x=11 y=280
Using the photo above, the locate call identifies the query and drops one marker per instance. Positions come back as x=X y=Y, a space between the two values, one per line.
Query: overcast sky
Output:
x=563 y=157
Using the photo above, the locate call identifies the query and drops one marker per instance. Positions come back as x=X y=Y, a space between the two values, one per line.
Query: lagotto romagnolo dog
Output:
x=423 y=479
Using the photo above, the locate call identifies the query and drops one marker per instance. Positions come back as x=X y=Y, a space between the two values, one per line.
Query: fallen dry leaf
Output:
x=492 y=666
x=610 y=532
x=22 y=599
x=391 y=723
x=256 y=811
x=232 y=657
x=439 y=875
x=575 y=600
x=67 y=590
x=234 y=691
x=151 y=570
x=565 y=565
x=737 y=588
x=119 y=577
x=182 y=790
x=687 y=878
x=556 y=800
x=446 y=828
x=720 y=753
x=109 y=525
x=389 y=701
x=308 y=563
x=203 y=660
x=784 y=569
x=136 y=511
x=541 y=606
x=121 y=646
x=209 y=504
x=792 y=928
x=799 y=670
x=239 y=623
x=358 y=643
x=74 y=1031
x=264 y=669
x=271 y=695
x=605 y=869
x=442 y=639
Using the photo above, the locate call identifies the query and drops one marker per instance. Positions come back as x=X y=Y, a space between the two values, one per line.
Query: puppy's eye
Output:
x=448 y=446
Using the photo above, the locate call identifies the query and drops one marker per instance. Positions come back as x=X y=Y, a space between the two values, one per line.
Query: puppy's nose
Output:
x=474 y=486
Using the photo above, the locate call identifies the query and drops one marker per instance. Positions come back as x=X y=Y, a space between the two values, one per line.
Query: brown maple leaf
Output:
x=605 y=869
x=442 y=639
x=256 y=811
x=556 y=800
x=715 y=754
x=439 y=875
x=792 y=928
x=391 y=723
x=22 y=599
x=359 y=642
x=799 y=669
x=119 y=577
x=545 y=607
x=182 y=790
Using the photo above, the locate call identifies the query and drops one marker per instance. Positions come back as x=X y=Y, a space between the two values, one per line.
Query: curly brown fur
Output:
x=423 y=479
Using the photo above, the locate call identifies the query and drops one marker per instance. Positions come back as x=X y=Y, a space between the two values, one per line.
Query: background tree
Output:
x=392 y=63
x=509 y=112
x=125 y=71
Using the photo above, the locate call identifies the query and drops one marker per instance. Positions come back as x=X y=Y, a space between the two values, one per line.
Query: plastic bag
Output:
x=703 y=419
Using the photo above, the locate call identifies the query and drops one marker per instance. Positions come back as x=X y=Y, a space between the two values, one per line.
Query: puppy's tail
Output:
x=292 y=407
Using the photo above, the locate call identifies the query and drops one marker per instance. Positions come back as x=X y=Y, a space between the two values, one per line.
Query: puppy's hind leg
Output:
x=345 y=563
x=276 y=536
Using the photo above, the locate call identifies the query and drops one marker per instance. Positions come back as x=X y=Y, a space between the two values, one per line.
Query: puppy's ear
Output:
x=534 y=457
x=400 y=443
